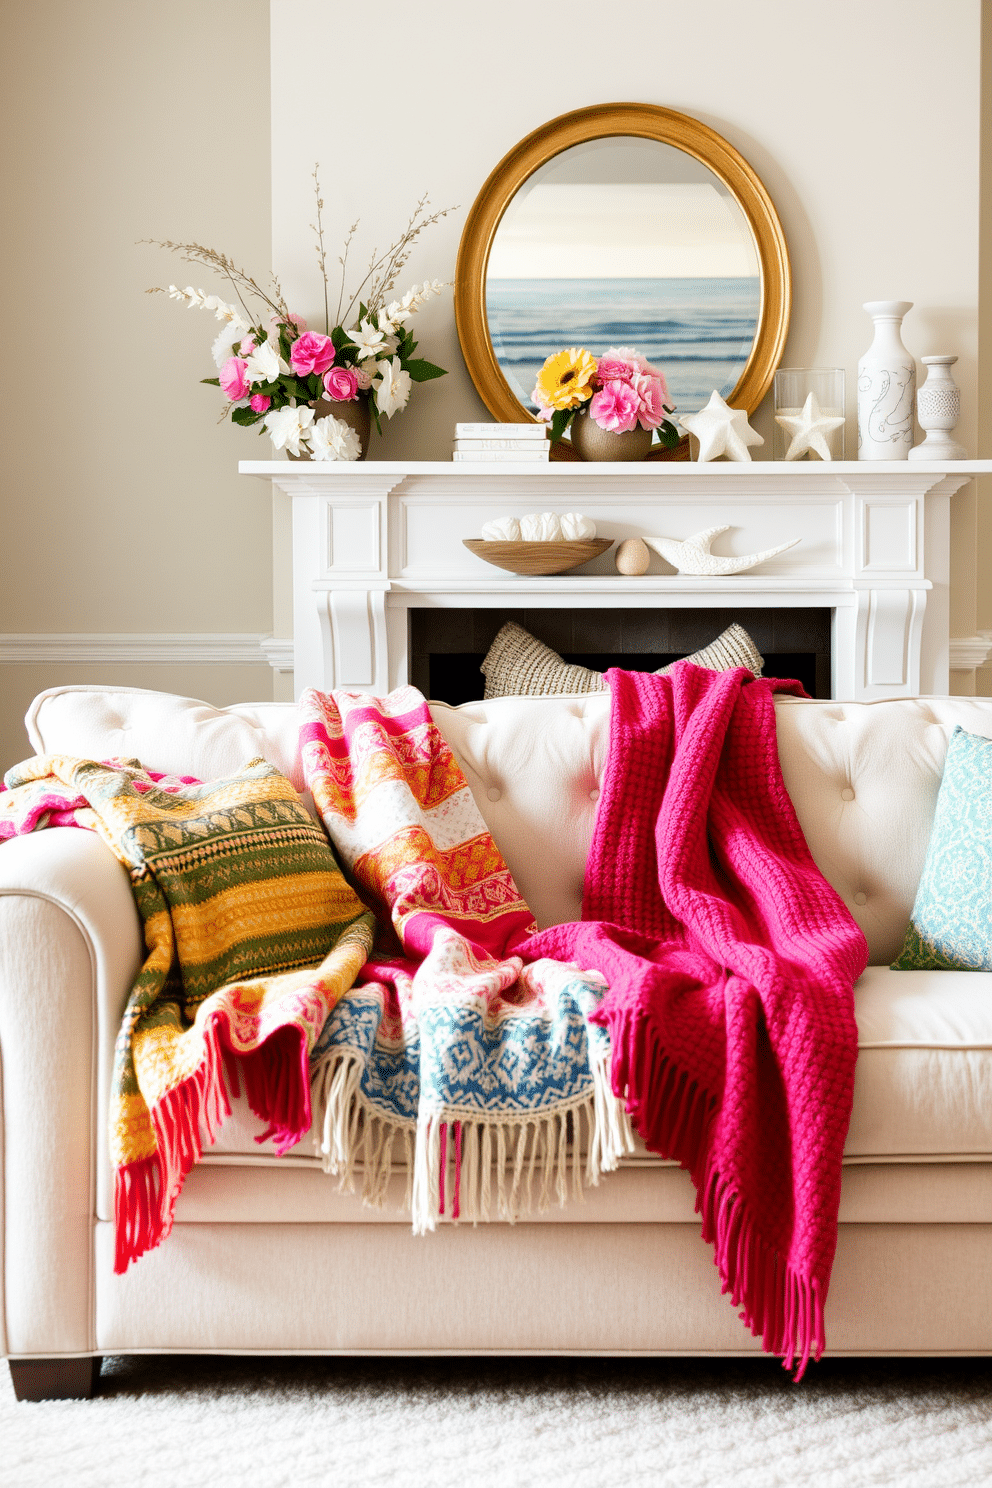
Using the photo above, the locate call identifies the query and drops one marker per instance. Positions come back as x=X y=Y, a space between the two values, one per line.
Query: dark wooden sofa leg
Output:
x=55 y=1379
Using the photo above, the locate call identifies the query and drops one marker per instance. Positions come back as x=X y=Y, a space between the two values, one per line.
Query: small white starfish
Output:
x=808 y=430
x=721 y=430
x=692 y=555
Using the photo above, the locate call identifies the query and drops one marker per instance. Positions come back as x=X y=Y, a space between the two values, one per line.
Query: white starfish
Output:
x=721 y=430
x=808 y=430
x=692 y=554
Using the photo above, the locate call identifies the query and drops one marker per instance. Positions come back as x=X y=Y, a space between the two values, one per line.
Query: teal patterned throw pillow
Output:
x=951 y=927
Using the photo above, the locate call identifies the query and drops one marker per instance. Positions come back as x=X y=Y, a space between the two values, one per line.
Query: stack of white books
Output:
x=504 y=443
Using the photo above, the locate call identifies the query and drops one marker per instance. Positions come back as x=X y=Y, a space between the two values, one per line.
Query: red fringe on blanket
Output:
x=780 y=1306
x=188 y=1118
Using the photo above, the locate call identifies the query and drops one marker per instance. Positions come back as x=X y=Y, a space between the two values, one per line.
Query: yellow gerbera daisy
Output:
x=565 y=380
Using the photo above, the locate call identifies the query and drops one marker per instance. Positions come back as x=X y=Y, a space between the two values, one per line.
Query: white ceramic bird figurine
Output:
x=693 y=556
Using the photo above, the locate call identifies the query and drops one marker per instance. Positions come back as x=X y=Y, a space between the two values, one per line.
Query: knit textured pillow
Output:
x=951 y=925
x=519 y=665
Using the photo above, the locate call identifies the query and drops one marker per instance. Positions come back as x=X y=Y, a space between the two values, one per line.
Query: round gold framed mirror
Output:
x=623 y=224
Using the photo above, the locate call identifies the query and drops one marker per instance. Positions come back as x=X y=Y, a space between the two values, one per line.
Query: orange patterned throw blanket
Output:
x=480 y=1070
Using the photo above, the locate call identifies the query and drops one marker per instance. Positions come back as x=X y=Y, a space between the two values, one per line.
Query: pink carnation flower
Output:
x=311 y=352
x=260 y=403
x=233 y=379
x=650 y=392
x=247 y=346
x=615 y=407
x=613 y=368
x=363 y=379
x=341 y=384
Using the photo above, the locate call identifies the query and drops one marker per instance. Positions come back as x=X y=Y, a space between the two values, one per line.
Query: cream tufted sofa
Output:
x=267 y=1256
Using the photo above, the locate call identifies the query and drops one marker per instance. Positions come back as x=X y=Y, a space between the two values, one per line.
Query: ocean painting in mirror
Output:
x=699 y=330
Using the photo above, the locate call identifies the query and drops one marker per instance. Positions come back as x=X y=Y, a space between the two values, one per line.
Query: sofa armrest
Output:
x=70 y=947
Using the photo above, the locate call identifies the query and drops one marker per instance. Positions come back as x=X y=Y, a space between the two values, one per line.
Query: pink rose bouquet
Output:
x=619 y=392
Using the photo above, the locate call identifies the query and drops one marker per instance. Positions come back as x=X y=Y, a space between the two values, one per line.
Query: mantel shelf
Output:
x=292 y=472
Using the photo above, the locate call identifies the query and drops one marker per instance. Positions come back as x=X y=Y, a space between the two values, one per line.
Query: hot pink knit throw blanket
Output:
x=731 y=964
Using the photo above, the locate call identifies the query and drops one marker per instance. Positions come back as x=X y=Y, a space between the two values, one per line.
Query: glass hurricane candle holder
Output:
x=793 y=386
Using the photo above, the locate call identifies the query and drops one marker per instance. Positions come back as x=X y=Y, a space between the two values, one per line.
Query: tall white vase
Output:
x=886 y=387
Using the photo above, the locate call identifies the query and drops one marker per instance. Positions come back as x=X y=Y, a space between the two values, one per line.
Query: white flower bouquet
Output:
x=274 y=370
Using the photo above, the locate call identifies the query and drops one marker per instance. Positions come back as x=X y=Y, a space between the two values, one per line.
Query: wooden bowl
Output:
x=533 y=558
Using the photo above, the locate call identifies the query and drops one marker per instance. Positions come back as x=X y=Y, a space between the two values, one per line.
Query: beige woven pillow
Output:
x=519 y=665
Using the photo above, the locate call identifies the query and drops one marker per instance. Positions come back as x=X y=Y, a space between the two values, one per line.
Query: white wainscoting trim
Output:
x=968 y=652
x=223 y=648
x=279 y=653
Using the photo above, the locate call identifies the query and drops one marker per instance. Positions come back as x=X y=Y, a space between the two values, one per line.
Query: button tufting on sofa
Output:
x=493 y=793
x=861 y=897
x=847 y=794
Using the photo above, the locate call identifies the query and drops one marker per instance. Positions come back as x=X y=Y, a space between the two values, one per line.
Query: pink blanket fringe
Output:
x=781 y=1307
x=187 y=1119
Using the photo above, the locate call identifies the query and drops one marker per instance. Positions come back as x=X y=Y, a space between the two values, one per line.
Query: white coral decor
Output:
x=332 y=439
x=503 y=529
x=540 y=527
x=574 y=526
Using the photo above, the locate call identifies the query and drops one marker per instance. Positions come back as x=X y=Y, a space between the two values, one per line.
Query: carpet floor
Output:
x=186 y=1421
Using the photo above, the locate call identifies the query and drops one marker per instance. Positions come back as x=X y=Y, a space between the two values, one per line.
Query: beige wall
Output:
x=122 y=510
x=832 y=116
x=121 y=507
x=861 y=119
x=983 y=604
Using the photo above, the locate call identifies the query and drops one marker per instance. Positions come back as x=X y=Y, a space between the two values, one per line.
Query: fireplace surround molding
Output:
x=371 y=540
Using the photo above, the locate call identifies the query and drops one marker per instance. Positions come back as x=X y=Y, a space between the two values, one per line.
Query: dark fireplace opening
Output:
x=447 y=646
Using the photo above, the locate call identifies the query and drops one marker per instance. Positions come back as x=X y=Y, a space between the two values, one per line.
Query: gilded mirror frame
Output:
x=601 y=121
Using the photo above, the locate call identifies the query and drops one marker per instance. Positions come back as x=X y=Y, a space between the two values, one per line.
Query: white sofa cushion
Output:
x=100 y=722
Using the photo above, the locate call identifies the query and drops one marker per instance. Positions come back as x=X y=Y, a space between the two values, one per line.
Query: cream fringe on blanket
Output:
x=521 y=1152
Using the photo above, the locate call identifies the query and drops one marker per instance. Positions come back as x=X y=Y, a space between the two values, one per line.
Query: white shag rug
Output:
x=186 y=1421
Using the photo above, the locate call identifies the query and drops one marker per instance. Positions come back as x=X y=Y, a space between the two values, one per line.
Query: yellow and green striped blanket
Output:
x=252 y=936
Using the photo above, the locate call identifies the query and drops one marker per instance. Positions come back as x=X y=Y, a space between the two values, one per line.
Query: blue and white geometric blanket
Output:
x=492 y=1105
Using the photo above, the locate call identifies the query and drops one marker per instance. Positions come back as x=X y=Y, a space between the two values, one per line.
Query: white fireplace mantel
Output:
x=373 y=539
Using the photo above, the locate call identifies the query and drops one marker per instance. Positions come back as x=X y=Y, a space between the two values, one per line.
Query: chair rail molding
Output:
x=372 y=540
x=970 y=652
x=114 y=648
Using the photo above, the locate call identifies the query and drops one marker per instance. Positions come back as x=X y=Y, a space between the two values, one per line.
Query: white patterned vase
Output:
x=886 y=387
x=938 y=408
